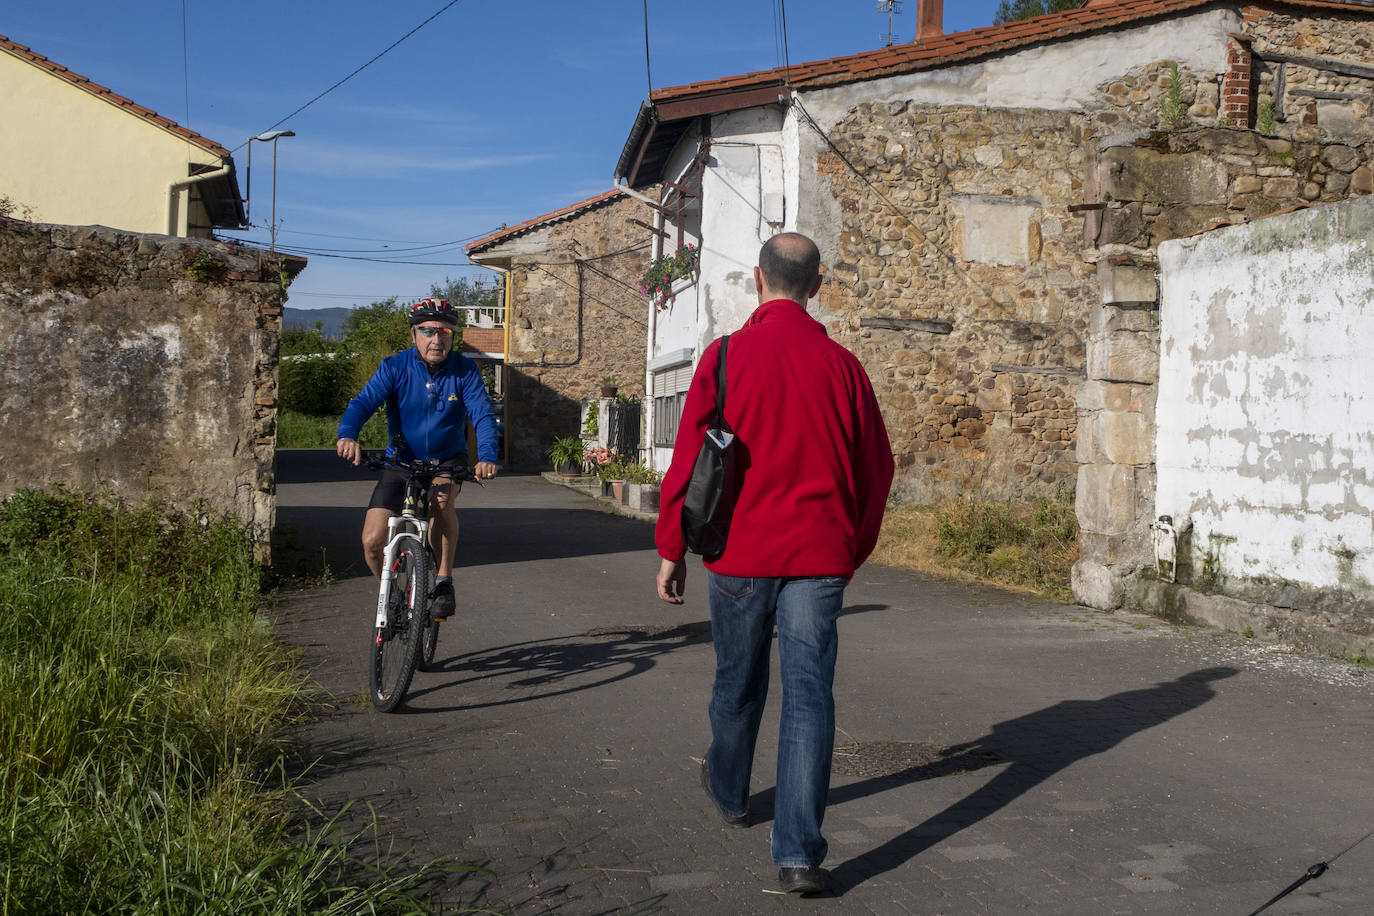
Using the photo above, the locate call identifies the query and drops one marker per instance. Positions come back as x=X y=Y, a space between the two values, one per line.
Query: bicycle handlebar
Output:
x=427 y=470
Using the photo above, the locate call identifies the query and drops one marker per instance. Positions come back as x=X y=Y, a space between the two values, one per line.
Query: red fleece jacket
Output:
x=815 y=459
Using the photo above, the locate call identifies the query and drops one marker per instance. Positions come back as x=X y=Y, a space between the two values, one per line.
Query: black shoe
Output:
x=801 y=879
x=731 y=820
x=441 y=603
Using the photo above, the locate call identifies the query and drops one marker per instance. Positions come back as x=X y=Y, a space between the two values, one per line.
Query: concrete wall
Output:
x=128 y=371
x=79 y=159
x=1266 y=416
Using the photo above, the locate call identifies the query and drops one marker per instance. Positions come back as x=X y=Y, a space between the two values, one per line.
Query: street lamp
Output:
x=271 y=136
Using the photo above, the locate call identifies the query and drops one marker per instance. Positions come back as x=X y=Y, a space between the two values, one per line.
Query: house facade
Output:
x=77 y=153
x=988 y=206
x=574 y=315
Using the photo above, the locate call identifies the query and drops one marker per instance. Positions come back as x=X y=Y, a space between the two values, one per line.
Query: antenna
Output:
x=889 y=7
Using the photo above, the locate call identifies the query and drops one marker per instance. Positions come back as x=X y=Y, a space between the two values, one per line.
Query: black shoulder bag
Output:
x=710 y=499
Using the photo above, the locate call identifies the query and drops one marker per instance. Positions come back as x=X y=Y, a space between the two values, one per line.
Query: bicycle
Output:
x=406 y=634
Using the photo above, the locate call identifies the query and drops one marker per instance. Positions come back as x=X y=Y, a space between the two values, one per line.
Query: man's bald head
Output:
x=790 y=266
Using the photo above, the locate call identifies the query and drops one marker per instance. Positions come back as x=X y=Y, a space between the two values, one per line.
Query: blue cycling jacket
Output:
x=429 y=409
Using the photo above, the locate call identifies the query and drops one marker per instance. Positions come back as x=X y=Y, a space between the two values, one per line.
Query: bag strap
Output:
x=720 y=383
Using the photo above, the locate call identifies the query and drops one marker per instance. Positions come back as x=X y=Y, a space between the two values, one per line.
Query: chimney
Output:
x=930 y=19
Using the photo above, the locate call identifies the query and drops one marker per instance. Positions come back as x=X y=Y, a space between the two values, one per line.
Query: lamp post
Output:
x=271 y=136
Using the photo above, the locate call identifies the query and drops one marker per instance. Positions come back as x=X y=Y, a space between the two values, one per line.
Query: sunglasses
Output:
x=430 y=332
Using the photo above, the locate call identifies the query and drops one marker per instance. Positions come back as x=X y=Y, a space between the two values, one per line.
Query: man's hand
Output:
x=484 y=470
x=672 y=581
x=348 y=450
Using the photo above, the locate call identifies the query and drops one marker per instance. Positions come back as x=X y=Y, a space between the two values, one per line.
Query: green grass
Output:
x=1029 y=545
x=302 y=430
x=140 y=765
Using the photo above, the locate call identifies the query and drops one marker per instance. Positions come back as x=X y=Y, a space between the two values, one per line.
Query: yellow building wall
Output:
x=67 y=156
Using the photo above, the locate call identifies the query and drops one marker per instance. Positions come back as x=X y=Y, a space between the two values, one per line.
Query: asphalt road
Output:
x=995 y=754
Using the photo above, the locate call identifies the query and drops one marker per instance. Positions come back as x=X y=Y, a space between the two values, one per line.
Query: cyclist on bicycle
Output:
x=430 y=393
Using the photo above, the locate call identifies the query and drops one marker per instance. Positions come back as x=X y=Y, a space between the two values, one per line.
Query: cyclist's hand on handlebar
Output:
x=348 y=450
x=484 y=470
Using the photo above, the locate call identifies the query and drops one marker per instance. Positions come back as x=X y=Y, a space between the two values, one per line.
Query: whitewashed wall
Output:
x=1266 y=396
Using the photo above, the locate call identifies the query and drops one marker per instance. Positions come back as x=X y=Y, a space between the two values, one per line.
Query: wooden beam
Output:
x=907 y=324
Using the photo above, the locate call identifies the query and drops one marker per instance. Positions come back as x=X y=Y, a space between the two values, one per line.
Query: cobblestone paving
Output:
x=1005 y=755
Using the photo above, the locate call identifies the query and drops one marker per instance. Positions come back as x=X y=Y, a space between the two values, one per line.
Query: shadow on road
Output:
x=307 y=537
x=1034 y=747
x=547 y=668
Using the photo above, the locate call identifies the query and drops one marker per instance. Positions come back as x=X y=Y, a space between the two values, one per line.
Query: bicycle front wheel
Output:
x=396 y=645
x=429 y=640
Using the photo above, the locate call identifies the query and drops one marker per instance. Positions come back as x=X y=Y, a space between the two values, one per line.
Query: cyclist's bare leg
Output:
x=443 y=529
x=374 y=538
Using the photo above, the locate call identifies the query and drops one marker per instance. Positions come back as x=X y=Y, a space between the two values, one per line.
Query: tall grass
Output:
x=303 y=430
x=140 y=697
x=1029 y=545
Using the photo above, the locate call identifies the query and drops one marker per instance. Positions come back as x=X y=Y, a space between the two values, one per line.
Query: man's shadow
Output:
x=1035 y=747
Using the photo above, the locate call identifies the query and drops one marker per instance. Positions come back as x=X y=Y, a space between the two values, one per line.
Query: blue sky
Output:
x=492 y=113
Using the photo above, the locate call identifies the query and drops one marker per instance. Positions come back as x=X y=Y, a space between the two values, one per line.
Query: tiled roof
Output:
x=568 y=212
x=956 y=47
x=114 y=98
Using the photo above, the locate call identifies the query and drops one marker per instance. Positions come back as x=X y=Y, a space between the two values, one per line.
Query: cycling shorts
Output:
x=390 y=492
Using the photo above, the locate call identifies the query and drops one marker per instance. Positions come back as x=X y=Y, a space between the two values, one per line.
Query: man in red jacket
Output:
x=815 y=468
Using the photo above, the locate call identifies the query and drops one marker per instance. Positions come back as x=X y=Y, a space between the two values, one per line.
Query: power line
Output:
x=350 y=76
x=648 y=75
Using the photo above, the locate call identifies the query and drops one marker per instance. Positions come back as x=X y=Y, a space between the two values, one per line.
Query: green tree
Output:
x=373 y=332
x=1013 y=10
x=295 y=341
x=465 y=294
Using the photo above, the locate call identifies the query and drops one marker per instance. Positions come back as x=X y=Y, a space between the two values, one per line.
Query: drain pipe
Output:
x=174 y=195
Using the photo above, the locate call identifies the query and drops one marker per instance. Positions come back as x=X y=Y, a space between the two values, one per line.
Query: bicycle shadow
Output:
x=1035 y=747
x=551 y=666
x=544 y=669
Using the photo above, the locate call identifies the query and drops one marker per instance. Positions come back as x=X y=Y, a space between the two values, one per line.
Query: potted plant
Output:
x=658 y=280
x=595 y=458
x=642 y=487
x=612 y=475
x=608 y=387
x=566 y=455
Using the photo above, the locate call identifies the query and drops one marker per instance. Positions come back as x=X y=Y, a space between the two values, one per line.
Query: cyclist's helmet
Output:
x=433 y=310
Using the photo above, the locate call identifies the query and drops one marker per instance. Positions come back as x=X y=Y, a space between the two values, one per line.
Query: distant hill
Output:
x=331 y=320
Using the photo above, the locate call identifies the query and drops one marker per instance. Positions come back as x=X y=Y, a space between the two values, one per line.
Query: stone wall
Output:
x=139 y=367
x=1157 y=187
x=1315 y=75
x=576 y=316
x=959 y=282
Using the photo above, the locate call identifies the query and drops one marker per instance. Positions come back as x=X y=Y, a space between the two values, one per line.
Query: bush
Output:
x=318 y=383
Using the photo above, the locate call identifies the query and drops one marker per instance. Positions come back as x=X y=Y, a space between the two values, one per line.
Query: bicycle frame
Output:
x=415 y=526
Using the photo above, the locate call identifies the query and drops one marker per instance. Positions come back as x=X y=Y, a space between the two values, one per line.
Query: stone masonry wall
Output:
x=576 y=316
x=960 y=285
x=139 y=367
x=1157 y=187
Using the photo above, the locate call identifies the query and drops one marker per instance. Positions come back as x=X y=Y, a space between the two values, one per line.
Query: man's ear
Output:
x=758 y=282
x=815 y=287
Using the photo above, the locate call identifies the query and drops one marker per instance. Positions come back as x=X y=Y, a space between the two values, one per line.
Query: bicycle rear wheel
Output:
x=396 y=646
x=429 y=640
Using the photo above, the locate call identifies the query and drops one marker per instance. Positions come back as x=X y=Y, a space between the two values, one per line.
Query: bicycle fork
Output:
x=393 y=541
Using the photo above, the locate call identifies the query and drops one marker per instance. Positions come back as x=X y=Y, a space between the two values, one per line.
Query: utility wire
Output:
x=542 y=269
x=648 y=74
x=350 y=76
x=185 y=65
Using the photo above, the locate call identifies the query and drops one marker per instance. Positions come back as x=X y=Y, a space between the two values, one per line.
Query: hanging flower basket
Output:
x=663 y=271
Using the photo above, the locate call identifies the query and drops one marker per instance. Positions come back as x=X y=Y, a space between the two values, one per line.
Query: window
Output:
x=669 y=390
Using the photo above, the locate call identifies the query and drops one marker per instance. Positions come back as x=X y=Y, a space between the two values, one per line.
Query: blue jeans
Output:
x=743 y=612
